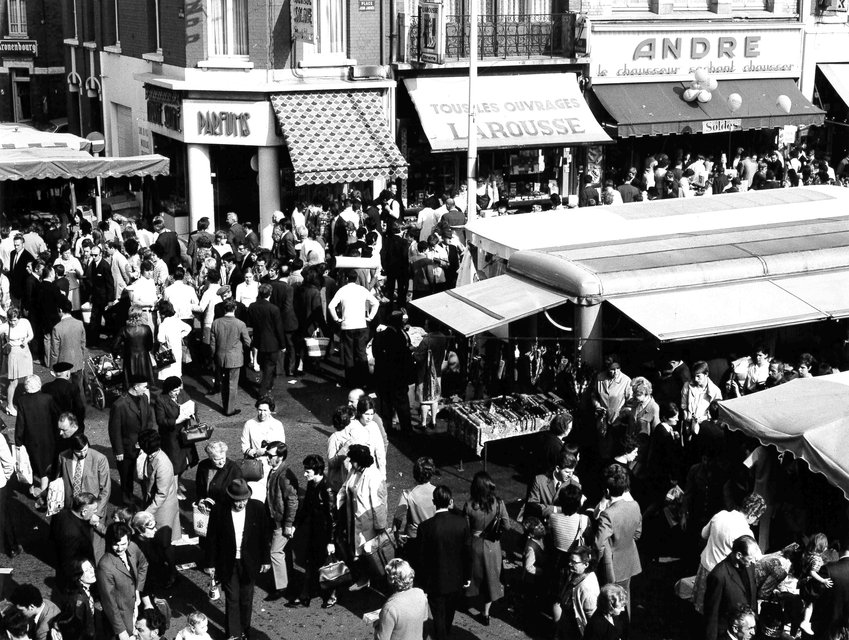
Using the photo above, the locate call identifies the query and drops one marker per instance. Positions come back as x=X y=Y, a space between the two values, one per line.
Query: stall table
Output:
x=480 y=421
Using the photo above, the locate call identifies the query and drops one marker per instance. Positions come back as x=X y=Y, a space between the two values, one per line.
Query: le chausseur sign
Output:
x=629 y=54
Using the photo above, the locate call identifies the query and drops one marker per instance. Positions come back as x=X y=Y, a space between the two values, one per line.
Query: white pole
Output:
x=472 y=153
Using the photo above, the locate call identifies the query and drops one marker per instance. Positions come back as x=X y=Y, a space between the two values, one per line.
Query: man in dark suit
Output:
x=730 y=584
x=287 y=251
x=65 y=393
x=282 y=297
x=48 y=299
x=40 y=611
x=235 y=231
x=831 y=610
x=84 y=470
x=542 y=495
x=129 y=416
x=394 y=370
x=231 y=275
x=228 y=340
x=550 y=442
x=268 y=337
x=237 y=566
x=71 y=535
x=17 y=269
x=395 y=257
x=619 y=527
x=68 y=344
x=445 y=560
x=102 y=289
x=170 y=243
x=199 y=238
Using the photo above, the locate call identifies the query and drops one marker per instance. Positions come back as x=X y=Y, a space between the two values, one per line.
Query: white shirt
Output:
x=238 y=529
x=7 y=461
x=426 y=222
x=184 y=299
x=358 y=304
x=143 y=293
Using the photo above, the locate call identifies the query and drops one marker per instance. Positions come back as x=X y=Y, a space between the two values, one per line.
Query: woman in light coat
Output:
x=160 y=484
x=170 y=335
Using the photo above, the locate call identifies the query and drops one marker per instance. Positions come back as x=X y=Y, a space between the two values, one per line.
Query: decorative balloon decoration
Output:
x=735 y=101
x=691 y=94
x=701 y=75
x=701 y=86
x=704 y=95
x=712 y=84
x=784 y=103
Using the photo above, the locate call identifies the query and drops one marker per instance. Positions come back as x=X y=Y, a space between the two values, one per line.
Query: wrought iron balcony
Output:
x=526 y=36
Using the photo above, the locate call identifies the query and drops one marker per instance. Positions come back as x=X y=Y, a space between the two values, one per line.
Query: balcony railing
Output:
x=527 y=36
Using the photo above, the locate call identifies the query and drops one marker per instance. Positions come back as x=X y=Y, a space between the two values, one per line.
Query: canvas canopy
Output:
x=808 y=417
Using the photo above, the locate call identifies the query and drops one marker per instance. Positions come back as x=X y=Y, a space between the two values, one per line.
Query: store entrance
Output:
x=234 y=183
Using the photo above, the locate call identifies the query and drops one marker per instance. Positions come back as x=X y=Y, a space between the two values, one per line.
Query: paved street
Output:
x=305 y=408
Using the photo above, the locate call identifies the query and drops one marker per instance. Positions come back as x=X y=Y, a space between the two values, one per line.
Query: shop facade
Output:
x=639 y=73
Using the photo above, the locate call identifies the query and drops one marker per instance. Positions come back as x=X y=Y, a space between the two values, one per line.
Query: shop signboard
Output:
x=367 y=5
x=624 y=53
x=145 y=137
x=539 y=110
x=303 y=20
x=431 y=32
x=229 y=123
x=722 y=126
x=18 y=48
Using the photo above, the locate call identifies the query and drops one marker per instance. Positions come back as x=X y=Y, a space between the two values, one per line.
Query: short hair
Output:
x=753 y=506
x=166 y=309
x=266 y=399
x=342 y=417
x=616 y=480
x=179 y=273
x=314 y=463
x=154 y=619
x=230 y=305
x=569 y=499
x=280 y=449
x=150 y=440
x=561 y=424
x=32 y=384
x=82 y=499
x=442 y=497
x=146 y=265
x=739 y=613
x=13 y=313
x=567 y=460
x=15 y=623
x=216 y=446
x=203 y=223
x=158 y=250
x=807 y=360
x=365 y=403
x=743 y=544
x=20 y=237
x=668 y=410
x=64 y=305
x=78 y=441
x=26 y=595
x=610 y=598
x=116 y=531
x=423 y=469
x=141 y=520
x=700 y=367
x=399 y=574
x=360 y=454
x=583 y=552
x=762 y=348
x=264 y=291
x=779 y=364
x=626 y=443
x=641 y=384
x=124 y=514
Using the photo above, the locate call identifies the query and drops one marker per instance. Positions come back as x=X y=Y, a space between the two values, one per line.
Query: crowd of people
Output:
x=638 y=471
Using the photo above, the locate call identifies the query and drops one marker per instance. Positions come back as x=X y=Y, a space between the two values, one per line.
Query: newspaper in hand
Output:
x=187 y=410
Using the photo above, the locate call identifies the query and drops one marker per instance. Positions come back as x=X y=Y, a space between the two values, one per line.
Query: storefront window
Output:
x=17 y=18
x=228 y=28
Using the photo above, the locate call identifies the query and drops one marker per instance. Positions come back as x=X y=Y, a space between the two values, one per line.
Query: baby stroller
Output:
x=103 y=379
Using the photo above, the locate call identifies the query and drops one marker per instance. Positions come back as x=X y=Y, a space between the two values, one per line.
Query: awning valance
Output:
x=41 y=163
x=488 y=304
x=658 y=108
x=838 y=76
x=338 y=136
x=530 y=110
x=699 y=312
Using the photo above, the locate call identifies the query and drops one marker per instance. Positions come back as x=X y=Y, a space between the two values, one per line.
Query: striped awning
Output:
x=338 y=136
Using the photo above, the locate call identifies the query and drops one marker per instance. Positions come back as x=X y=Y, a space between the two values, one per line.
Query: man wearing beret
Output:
x=129 y=416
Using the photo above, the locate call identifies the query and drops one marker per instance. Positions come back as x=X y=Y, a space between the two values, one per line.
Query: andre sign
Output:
x=629 y=54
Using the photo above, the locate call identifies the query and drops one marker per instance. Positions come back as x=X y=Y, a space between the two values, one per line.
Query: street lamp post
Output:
x=472 y=149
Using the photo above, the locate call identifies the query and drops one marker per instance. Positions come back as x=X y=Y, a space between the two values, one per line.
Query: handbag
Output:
x=495 y=529
x=194 y=432
x=316 y=345
x=200 y=519
x=334 y=574
x=251 y=469
x=23 y=467
x=164 y=357
x=376 y=560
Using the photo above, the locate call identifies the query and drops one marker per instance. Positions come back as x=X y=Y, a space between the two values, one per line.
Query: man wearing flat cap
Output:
x=239 y=548
x=130 y=415
x=65 y=393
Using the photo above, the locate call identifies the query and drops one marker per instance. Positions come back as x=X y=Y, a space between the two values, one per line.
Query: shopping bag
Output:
x=334 y=574
x=200 y=518
x=382 y=552
x=164 y=357
x=55 y=496
x=23 y=468
x=251 y=469
x=316 y=345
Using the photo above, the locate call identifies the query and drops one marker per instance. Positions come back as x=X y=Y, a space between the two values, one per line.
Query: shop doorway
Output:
x=21 y=95
x=235 y=184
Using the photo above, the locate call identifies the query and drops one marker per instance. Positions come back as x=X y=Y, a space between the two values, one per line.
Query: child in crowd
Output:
x=196 y=628
x=812 y=583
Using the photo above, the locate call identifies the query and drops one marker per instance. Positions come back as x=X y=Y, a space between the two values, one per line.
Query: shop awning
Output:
x=700 y=312
x=44 y=162
x=838 y=76
x=488 y=304
x=827 y=291
x=338 y=136
x=530 y=110
x=658 y=108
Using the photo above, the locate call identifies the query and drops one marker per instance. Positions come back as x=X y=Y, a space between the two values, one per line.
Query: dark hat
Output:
x=137 y=378
x=170 y=383
x=239 y=490
x=62 y=367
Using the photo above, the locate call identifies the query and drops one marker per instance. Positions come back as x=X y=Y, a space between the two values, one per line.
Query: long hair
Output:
x=482 y=492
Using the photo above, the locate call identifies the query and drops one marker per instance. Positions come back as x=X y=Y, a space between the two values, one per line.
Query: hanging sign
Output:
x=303 y=20
x=431 y=32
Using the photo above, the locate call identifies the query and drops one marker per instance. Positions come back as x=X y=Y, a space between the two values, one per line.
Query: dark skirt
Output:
x=486 y=570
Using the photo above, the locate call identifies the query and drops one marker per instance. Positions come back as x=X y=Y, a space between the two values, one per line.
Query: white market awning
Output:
x=530 y=110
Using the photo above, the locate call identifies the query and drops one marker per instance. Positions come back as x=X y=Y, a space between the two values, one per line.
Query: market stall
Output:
x=480 y=421
x=808 y=417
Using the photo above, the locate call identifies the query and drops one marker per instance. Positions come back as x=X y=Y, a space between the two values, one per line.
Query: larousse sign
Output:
x=627 y=54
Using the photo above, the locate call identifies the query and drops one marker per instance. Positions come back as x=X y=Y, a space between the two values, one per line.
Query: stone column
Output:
x=201 y=196
x=268 y=170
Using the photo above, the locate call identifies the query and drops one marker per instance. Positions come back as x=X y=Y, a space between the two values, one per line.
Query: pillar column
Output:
x=201 y=196
x=588 y=333
x=268 y=175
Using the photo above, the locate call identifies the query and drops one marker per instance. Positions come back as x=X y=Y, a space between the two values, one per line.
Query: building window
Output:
x=331 y=27
x=17 y=17
x=228 y=28
x=156 y=25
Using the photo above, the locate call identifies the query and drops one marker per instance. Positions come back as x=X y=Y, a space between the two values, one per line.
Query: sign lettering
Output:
x=431 y=32
x=303 y=21
x=17 y=48
x=223 y=123
x=721 y=126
